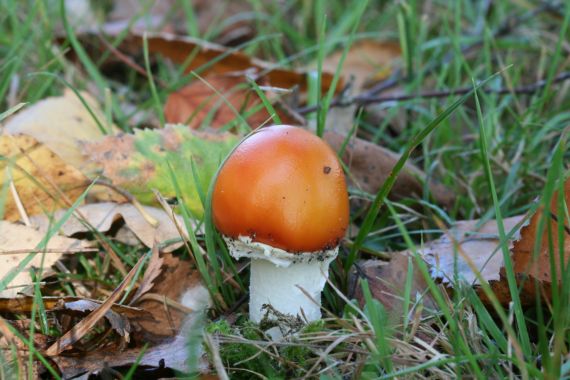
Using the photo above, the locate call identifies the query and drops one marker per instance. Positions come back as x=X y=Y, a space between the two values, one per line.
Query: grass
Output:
x=496 y=153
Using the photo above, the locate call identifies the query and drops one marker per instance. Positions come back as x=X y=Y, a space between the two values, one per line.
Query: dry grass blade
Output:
x=26 y=305
x=213 y=347
x=83 y=327
x=152 y=272
x=325 y=354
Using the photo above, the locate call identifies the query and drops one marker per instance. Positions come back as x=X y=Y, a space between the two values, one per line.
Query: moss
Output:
x=219 y=327
x=244 y=357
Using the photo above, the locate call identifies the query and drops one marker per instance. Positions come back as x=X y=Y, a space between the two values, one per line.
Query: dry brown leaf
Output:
x=41 y=178
x=118 y=322
x=199 y=56
x=17 y=241
x=478 y=249
x=102 y=216
x=85 y=325
x=370 y=165
x=475 y=248
x=533 y=272
x=176 y=292
x=200 y=103
x=153 y=270
x=538 y=266
x=161 y=360
x=211 y=58
x=60 y=123
x=367 y=61
x=387 y=280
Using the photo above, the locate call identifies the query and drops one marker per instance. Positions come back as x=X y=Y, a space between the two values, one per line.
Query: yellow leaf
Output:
x=60 y=123
x=41 y=179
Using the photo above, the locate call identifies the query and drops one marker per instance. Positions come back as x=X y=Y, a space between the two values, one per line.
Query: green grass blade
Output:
x=372 y=214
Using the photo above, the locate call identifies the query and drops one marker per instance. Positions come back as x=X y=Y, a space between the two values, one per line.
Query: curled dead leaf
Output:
x=175 y=293
x=212 y=58
x=537 y=265
x=79 y=330
x=221 y=100
x=201 y=57
x=471 y=248
x=102 y=216
x=474 y=250
x=370 y=165
x=118 y=322
x=532 y=267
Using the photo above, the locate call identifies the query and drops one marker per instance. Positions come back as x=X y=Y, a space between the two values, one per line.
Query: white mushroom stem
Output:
x=277 y=276
x=280 y=288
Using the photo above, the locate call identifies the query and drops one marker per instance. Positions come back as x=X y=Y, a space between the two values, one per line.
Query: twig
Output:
x=365 y=99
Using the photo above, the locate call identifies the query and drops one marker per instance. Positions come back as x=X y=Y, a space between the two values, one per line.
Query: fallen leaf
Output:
x=16 y=242
x=468 y=247
x=42 y=180
x=119 y=322
x=533 y=271
x=167 y=359
x=86 y=324
x=175 y=293
x=537 y=266
x=367 y=61
x=387 y=280
x=60 y=123
x=220 y=102
x=210 y=58
x=102 y=216
x=143 y=161
x=370 y=165
x=153 y=270
x=473 y=249
x=200 y=57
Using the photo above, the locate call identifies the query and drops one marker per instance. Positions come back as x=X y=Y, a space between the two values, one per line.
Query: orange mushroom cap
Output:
x=284 y=187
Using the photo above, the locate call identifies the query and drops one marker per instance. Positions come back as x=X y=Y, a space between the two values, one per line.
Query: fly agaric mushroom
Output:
x=280 y=199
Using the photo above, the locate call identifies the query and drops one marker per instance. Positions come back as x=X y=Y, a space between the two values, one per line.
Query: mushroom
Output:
x=280 y=199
